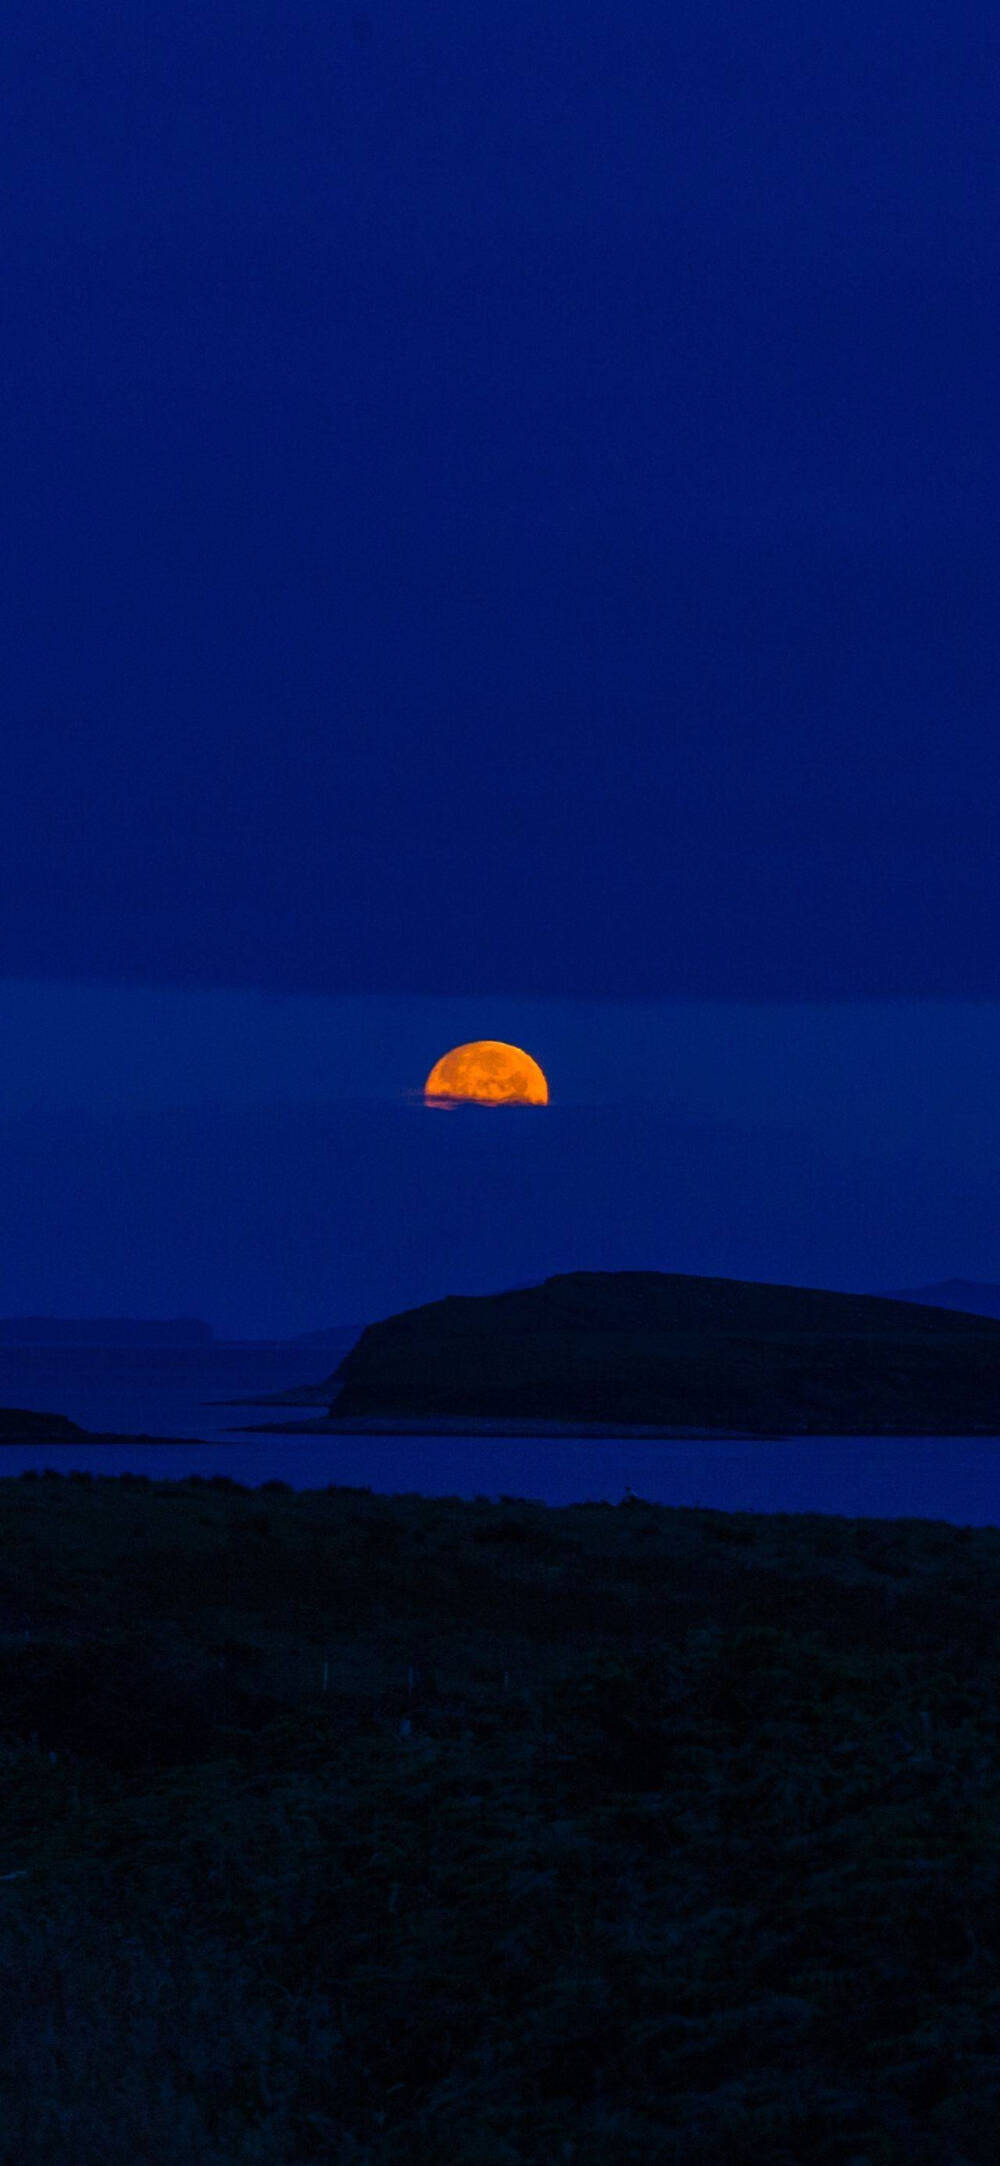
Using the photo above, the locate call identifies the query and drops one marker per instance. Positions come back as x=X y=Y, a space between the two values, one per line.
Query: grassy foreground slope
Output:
x=659 y=1347
x=360 y=1829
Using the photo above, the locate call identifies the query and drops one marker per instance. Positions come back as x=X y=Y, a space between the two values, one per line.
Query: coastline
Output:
x=480 y=1425
x=473 y=1425
x=485 y=1426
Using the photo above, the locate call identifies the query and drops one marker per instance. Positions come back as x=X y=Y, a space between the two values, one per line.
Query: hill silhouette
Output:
x=667 y=1348
x=974 y=1296
x=24 y=1425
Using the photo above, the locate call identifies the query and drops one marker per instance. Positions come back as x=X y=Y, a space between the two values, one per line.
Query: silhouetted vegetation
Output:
x=350 y=1828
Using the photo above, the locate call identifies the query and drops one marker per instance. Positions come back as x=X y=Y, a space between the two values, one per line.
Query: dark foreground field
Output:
x=349 y=1828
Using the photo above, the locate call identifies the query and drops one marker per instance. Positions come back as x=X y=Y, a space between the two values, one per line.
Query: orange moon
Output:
x=486 y=1073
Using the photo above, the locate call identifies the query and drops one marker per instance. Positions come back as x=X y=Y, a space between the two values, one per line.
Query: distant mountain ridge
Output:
x=638 y=1347
x=174 y=1331
x=329 y=1340
x=109 y=1331
x=972 y=1296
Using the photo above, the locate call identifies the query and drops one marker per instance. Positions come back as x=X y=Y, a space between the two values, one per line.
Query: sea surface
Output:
x=166 y=1391
x=177 y=1394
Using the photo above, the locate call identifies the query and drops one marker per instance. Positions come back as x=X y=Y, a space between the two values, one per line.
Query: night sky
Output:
x=500 y=540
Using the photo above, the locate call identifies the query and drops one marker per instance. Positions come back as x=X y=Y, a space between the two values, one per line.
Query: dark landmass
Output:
x=671 y=1351
x=22 y=1425
x=109 y=1331
x=395 y=1830
x=970 y=1295
x=473 y=1425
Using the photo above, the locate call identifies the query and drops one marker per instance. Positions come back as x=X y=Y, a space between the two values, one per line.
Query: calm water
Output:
x=165 y=1391
x=170 y=1393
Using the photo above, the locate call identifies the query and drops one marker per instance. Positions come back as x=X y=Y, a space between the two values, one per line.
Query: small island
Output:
x=27 y=1425
x=667 y=1352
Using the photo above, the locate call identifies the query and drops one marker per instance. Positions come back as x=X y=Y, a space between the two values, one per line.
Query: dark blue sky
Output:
x=264 y=1160
x=502 y=498
x=501 y=539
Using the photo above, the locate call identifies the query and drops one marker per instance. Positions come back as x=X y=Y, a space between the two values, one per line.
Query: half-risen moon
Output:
x=486 y=1073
